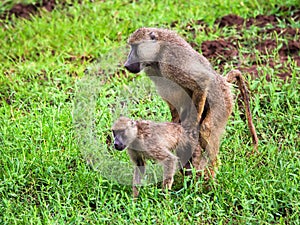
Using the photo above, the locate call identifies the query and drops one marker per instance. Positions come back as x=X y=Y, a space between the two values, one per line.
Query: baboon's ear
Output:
x=153 y=35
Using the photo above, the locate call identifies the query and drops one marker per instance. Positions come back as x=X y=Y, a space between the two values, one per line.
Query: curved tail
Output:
x=236 y=76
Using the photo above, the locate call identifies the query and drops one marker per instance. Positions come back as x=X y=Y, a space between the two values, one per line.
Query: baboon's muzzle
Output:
x=133 y=67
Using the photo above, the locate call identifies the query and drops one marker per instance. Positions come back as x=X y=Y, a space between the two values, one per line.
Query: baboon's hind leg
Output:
x=139 y=171
x=169 y=167
x=208 y=162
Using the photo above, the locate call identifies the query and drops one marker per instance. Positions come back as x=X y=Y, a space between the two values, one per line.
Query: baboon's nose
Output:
x=133 y=67
x=119 y=147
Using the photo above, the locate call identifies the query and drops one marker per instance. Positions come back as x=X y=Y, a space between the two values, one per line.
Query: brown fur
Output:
x=166 y=143
x=164 y=54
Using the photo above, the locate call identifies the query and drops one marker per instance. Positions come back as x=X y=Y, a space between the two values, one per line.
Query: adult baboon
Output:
x=164 y=54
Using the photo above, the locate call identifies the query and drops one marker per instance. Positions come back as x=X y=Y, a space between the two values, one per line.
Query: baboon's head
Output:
x=147 y=45
x=125 y=132
x=144 y=49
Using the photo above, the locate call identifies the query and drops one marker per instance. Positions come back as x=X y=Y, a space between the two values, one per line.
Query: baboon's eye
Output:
x=132 y=123
x=152 y=36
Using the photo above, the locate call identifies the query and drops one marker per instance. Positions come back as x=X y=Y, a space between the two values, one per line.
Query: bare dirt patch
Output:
x=280 y=45
x=26 y=10
x=230 y=20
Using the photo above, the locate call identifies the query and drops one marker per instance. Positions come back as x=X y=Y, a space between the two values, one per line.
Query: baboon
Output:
x=156 y=141
x=162 y=53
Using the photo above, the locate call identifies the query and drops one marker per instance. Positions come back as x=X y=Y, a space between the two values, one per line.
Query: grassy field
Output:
x=57 y=165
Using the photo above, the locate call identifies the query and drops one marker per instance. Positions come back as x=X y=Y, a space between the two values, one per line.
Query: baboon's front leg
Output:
x=139 y=171
x=169 y=167
x=196 y=157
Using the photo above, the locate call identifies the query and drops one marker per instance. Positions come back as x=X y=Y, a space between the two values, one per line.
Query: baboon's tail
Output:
x=236 y=76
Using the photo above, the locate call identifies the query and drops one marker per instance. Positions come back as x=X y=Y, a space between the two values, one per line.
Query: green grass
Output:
x=55 y=121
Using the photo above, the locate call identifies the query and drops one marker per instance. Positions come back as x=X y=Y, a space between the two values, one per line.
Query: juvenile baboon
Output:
x=157 y=141
x=164 y=54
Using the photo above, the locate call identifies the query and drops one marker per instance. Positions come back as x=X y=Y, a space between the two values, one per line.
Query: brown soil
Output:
x=261 y=21
x=230 y=20
x=26 y=10
x=223 y=50
x=280 y=43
